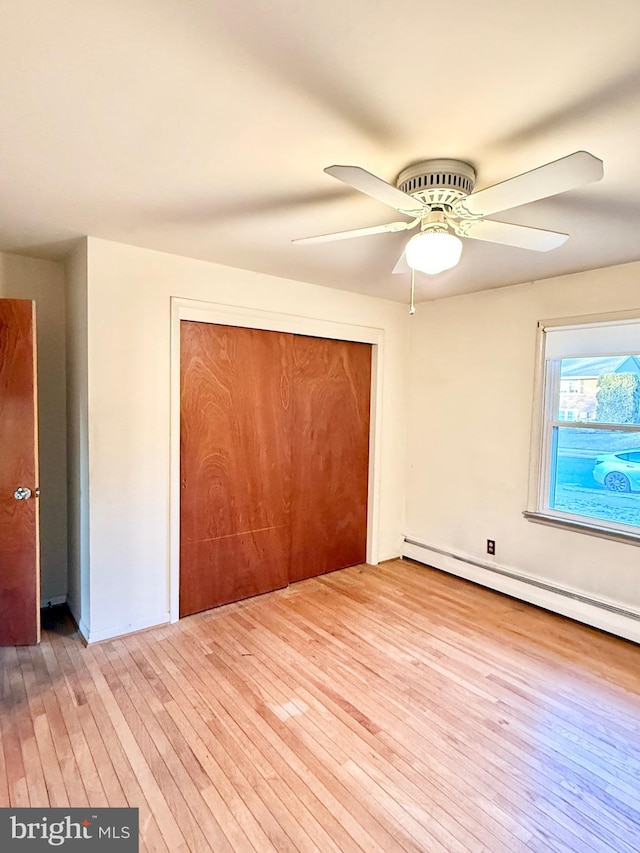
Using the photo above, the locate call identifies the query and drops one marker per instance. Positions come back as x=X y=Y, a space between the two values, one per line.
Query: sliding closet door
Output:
x=330 y=455
x=235 y=451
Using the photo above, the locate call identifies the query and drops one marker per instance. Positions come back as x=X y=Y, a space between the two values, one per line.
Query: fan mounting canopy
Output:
x=437 y=181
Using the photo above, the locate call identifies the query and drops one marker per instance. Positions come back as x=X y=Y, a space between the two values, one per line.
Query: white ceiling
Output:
x=202 y=127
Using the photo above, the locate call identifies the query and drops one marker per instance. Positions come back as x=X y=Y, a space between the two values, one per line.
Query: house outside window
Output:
x=586 y=458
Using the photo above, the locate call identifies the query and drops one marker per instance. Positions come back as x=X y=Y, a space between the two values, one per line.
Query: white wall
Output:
x=43 y=282
x=129 y=337
x=468 y=407
x=471 y=390
x=77 y=436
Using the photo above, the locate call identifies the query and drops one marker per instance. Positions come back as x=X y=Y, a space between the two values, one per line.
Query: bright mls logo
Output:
x=70 y=829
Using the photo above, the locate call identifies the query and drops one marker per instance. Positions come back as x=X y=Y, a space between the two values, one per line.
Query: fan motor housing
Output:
x=438 y=181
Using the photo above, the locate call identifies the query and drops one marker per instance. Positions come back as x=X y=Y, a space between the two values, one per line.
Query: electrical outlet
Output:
x=491 y=546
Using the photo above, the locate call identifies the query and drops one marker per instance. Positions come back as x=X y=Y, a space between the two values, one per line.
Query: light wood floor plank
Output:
x=181 y=762
x=334 y=688
x=56 y=733
x=474 y=703
x=264 y=744
x=14 y=781
x=244 y=768
x=302 y=759
x=331 y=743
x=25 y=729
x=118 y=758
x=209 y=739
x=380 y=709
x=69 y=695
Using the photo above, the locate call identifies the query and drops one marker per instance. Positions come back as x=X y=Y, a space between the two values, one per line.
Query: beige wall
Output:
x=466 y=407
x=471 y=390
x=77 y=434
x=129 y=368
x=43 y=281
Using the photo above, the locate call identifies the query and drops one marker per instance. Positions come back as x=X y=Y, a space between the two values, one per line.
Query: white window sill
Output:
x=583 y=527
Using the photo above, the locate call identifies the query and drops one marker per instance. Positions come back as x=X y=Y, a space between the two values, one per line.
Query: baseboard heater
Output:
x=592 y=611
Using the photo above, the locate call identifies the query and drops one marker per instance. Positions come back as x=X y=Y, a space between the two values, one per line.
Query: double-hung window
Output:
x=586 y=455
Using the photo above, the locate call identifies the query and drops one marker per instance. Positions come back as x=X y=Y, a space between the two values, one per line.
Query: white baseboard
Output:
x=114 y=631
x=605 y=615
x=110 y=633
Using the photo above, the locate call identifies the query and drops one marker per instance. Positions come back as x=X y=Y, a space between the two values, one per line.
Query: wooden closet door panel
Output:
x=231 y=568
x=235 y=458
x=330 y=455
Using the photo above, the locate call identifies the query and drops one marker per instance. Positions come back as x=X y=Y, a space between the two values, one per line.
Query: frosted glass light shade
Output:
x=433 y=251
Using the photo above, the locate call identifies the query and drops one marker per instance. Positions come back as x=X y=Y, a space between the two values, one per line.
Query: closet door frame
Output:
x=253 y=318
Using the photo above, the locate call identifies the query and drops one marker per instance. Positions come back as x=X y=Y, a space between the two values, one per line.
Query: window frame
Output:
x=544 y=432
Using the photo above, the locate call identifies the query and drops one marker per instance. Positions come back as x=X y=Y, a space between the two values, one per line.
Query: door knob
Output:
x=22 y=493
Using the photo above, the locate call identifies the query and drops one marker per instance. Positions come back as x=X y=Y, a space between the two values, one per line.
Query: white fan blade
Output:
x=520 y=236
x=567 y=173
x=375 y=187
x=402 y=266
x=358 y=232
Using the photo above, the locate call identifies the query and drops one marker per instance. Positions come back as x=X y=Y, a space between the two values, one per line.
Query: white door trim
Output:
x=253 y=318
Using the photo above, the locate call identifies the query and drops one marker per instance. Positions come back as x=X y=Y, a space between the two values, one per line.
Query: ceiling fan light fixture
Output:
x=433 y=251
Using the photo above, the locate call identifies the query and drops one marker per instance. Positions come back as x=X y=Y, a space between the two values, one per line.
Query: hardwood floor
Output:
x=389 y=708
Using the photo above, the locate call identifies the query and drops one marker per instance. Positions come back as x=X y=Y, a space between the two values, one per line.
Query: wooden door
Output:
x=19 y=544
x=235 y=448
x=330 y=455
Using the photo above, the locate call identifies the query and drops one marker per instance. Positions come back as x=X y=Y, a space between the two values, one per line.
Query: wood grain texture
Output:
x=391 y=709
x=19 y=568
x=235 y=439
x=274 y=456
x=330 y=456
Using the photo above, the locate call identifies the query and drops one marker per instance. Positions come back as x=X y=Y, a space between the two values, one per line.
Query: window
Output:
x=587 y=460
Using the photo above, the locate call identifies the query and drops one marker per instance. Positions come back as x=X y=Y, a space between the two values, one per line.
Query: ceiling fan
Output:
x=437 y=196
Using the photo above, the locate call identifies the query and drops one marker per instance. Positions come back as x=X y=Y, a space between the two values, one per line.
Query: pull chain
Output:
x=412 y=307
